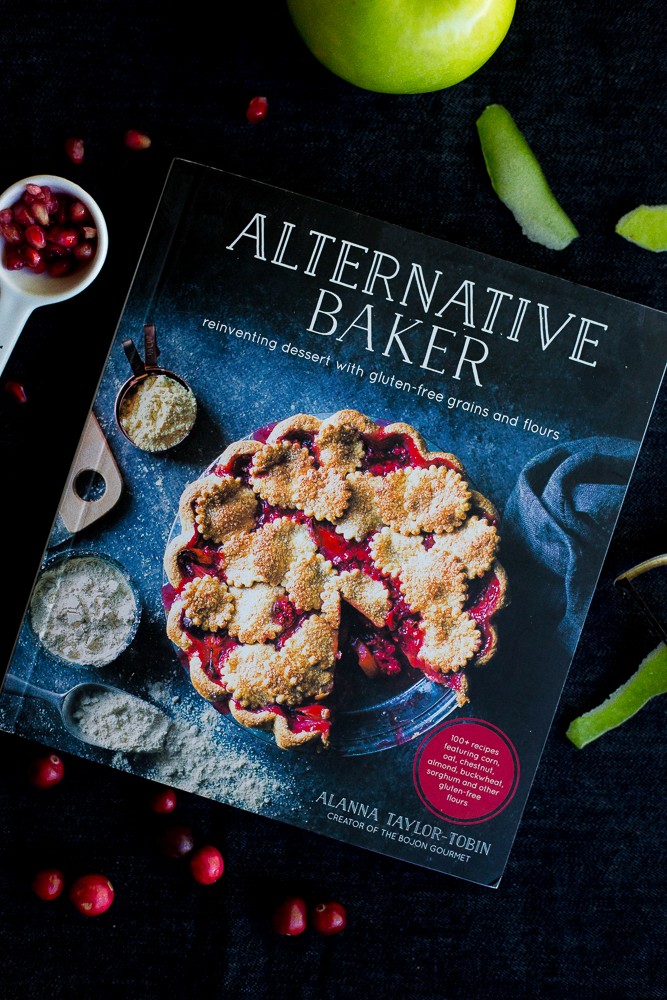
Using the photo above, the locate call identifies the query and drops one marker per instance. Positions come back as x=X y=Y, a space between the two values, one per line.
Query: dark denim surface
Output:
x=580 y=911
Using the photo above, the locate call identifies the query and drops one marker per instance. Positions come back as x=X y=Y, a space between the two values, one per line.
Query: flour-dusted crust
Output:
x=278 y=533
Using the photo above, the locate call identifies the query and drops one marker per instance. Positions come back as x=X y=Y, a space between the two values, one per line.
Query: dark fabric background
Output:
x=580 y=911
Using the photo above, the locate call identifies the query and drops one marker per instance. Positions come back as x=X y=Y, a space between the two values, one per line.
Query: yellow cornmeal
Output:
x=158 y=414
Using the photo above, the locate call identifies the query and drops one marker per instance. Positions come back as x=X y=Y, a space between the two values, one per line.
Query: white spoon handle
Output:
x=14 y=311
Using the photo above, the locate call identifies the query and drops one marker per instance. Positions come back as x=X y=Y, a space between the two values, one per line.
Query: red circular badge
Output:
x=467 y=771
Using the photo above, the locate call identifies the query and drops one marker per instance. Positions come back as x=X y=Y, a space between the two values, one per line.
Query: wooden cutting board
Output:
x=93 y=455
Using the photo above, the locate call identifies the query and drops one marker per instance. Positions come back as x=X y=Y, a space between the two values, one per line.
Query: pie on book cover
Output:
x=366 y=480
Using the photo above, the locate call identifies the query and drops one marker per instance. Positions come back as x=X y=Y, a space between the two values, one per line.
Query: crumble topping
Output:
x=221 y=507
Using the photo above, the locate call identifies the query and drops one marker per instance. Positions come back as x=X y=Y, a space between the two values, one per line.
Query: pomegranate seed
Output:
x=46 y=771
x=33 y=259
x=6 y=216
x=92 y=894
x=176 y=841
x=11 y=232
x=207 y=865
x=134 y=139
x=40 y=211
x=84 y=251
x=329 y=918
x=35 y=191
x=256 y=110
x=75 y=149
x=78 y=211
x=59 y=268
x=22 y=216
x=290 y=917
x=48 y=883
x=65 y=238
x=35 y=237
x=16 y=390
x=163 y=800
x=14 y=261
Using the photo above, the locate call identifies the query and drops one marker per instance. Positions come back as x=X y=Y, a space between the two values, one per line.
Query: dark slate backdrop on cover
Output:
x=271 y=304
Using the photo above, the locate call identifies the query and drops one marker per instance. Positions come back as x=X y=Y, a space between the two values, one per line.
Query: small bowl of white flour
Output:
x=84 y=609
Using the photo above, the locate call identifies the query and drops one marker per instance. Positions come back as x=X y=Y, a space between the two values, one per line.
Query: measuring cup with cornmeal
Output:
x=155 y=409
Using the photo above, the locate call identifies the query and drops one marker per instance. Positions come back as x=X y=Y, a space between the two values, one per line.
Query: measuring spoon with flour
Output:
x=102 y=715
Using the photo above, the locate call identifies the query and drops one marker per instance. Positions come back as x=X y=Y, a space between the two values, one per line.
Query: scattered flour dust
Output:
x=202 y=757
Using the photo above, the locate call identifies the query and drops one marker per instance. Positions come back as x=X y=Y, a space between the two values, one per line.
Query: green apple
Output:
x=402 y=46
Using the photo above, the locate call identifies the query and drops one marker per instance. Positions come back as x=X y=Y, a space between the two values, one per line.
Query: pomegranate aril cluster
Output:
x=45 y=231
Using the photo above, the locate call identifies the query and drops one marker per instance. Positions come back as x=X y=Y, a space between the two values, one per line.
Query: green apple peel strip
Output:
x=518 y=180
x=649 y=680
x=646 y=226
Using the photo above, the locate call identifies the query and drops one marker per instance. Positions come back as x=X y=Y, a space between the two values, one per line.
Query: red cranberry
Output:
x=46 y=771
x=207 y=865
x=75 y=149
x=163 y=800
x=16 y=390
x=134 y=139
x=48 y=883
x=176 y=841
x=290 y=917
x=256 y=110
x=92 y=894
x=329 y=918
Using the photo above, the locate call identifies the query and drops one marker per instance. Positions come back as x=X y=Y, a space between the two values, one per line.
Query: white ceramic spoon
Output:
x=22 y=291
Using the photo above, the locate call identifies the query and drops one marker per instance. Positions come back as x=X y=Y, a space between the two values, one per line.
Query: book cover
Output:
x=335 y=521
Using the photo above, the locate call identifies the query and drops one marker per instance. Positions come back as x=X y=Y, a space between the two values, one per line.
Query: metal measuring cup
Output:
x=142 y=370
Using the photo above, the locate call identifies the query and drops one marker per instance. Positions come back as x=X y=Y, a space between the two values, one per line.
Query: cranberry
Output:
x=92 y=894
x=134 y=139
x=16 y=390
x=256 y=110
x=329 y=918
x=46 y=771
x=75 y=149
x=48 y=883
x=207 y=865
x=163 y=800
x=290 y=917
x=176 y=841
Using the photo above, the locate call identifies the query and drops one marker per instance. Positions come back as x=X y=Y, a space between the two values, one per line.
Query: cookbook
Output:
x=334 y=522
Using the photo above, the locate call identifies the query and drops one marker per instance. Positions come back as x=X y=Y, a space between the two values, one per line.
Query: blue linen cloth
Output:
x=559 y=519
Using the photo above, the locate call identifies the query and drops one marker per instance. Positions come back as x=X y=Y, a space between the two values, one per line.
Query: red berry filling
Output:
x=376 y=651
